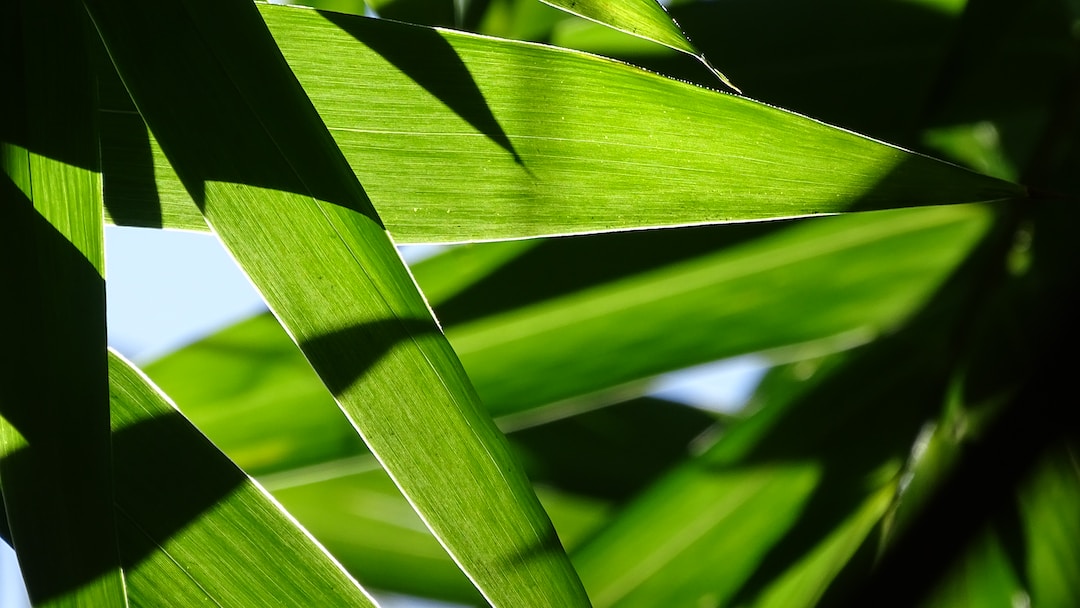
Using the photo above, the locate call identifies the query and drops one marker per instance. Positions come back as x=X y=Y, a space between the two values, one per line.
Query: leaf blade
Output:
x=271 y=181
x=642 y=18
x=197 y=530
x=53 y=387
x=879 y=269
x=641 y=150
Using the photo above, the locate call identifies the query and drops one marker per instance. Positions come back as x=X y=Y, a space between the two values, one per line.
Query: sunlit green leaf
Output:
x=915 y=445
x=505 y=140
x=366 y=523
x=642 y=18
x=268 y=177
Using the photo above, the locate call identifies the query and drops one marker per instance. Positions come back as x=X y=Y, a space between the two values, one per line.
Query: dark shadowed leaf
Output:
x=54 y=407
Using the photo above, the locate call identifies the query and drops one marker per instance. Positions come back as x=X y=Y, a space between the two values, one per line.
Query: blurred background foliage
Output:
x=913 y=441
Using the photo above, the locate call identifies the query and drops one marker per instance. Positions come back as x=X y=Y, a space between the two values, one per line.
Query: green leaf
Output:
x=573 y=143
x=789 y=497
x=516 y=19
x=1024 y=553
x=785 y=499
x=1002 y=417
x=815 y=280
x=643 y=18
x=54 y=407
x=613 y=452
x=848 y=279
x=194 y=529
x=259 y=400
x=252 y=152
x=366 y=523
x=1050 y=521
x=985 y=577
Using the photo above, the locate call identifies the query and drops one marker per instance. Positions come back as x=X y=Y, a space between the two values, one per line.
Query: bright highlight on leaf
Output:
x=642 y=18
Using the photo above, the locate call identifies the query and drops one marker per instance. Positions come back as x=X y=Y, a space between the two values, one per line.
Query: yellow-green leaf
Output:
x=458 y=137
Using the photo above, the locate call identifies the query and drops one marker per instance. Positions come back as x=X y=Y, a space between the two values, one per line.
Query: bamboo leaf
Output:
x=268 y=177
x=194 y=529
x=585 y=329
x=642 y=18
x=794 y=286
x=565 y=142
x=1021 y=553
x=366 y=523
x=789 y=497
x=1049 y=520
x=54 y=437
x=1002 y=420
x=786 y=498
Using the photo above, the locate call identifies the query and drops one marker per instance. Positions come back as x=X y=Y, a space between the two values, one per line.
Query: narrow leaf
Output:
x=1050 y=520
x=367 y=524
x=784 y=500
x=815 y=280
x=642 y=18
x=194 y=529
x=507 y=140
x=583 y=332
x=1003 y=416
x=253 y=153
x=54 y=407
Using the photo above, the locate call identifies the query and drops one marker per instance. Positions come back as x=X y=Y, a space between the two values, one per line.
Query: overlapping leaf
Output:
x=54 y=407
x=252 y=372
x=835 y=268
x=505 y=140
x=1002 y=422
x=733 y=281
x=366 y=523
x=194 y=529
x=642 y=18
x=252 y=152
